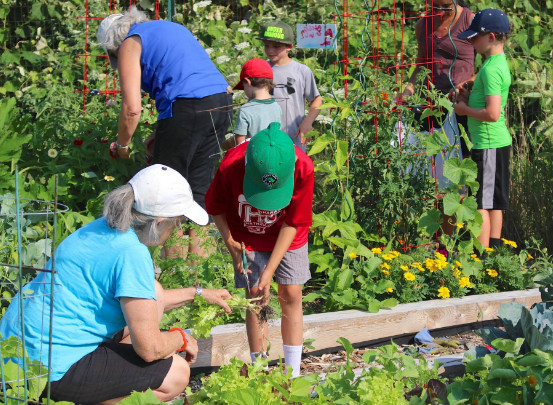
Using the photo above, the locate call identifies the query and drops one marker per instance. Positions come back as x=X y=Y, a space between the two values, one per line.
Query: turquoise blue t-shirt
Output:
x=95 y=266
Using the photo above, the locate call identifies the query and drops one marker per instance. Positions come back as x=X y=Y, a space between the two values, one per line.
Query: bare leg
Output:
x=496 y=223
x=257 y=331
x=484 y=236
x=200 y=243
x=291 y=326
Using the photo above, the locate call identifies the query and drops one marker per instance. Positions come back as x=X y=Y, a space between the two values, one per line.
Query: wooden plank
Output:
x=229 y=341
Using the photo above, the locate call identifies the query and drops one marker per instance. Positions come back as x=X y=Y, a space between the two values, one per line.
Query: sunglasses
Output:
x=445 y=7
x=289 y=86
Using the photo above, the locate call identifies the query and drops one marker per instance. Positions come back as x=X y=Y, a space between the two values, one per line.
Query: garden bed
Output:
x=228 y=341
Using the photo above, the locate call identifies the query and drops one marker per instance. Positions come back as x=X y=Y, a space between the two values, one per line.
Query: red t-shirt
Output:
x=259 y=229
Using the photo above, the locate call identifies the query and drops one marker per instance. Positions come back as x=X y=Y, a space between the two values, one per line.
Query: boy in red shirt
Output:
x=262 y=196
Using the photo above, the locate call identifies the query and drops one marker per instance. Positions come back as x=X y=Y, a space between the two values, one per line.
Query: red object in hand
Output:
x=113 y=150
x=77 y=142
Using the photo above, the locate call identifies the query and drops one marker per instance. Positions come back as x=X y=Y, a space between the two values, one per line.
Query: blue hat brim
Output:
x=468 y=34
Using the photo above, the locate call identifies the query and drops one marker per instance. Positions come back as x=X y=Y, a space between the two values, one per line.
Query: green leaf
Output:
x=451 y=203
x=320 y=144
x=430 y=222
x=389 y=303
x=347 y=345
x=507 y=345
x=341 y=153
x=141 y=398
x=460 y=172
x=436 y=142
x=89 y=175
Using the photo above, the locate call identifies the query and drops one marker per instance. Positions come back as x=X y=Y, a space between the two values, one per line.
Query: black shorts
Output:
x=111 y=371
x=189 y=142
x=493 y=177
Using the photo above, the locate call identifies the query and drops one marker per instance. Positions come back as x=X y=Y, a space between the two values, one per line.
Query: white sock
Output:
x=255 y=355
x=292 y=358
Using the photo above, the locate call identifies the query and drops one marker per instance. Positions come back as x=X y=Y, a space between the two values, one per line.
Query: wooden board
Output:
x=229 y=341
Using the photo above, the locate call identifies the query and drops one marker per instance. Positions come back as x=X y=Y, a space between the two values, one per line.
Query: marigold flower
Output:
x=52 y=153
x=492 y=272
x=384 y=96
x=530 y=257
x=532 y=380
x=376 y=251
x=443 y=292
x=509 y=242
x=418 y=266
x=77 y=142
x=386 y=272
x=458 y=263
x=476 y=259
x=464 y=282
x=109 y=178
x=473 y=255
x=353 y=255
x=389 y=290
x=385 y=266
x=488 y=249
x=404 y=268
x=387 y=256
x=409 y=276
x=440 y=256
x=456 y=273
x=431 y=265
x=395 y=253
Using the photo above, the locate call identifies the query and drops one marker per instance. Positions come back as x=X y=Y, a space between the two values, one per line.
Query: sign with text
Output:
x=316 y=36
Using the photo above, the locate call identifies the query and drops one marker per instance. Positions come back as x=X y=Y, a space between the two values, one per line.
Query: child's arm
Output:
x=284 y=240
x=490 y=113
x=307 y=123
x=234 y=248
x=232 y=141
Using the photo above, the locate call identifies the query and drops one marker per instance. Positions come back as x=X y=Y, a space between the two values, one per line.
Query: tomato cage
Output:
x=393 y=180
x=30 y=228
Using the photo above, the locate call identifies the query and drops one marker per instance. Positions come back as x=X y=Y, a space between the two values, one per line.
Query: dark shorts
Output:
x=493 y=177
x=111 y=371
x=189 y=142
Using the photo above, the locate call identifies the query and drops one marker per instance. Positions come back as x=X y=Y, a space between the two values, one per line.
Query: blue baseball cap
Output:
x=488 y=20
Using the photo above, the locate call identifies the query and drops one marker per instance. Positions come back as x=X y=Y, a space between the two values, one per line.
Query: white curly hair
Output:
x=114 y=28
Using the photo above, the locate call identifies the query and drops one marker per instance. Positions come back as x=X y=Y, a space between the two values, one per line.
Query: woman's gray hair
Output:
x=118 y=30
x=120 y=215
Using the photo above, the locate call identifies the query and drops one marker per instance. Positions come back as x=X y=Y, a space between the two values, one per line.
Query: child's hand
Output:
x=303 y=129
x=264 y=286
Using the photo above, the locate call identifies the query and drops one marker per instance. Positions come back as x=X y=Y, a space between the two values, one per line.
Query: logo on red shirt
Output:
x=256 y=220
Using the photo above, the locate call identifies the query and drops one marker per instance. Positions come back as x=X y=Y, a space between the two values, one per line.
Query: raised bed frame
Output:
x=229 y=341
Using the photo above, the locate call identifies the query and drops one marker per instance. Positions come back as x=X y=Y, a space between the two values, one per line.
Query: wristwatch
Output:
x=198 y=292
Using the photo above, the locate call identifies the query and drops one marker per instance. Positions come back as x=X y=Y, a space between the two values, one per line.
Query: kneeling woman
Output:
x=107 y=305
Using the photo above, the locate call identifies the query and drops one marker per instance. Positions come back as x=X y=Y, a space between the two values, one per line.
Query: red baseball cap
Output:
x=254 y=68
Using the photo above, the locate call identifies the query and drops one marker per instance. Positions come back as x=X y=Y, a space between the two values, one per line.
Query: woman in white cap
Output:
x=107 y=304
x=192 y=97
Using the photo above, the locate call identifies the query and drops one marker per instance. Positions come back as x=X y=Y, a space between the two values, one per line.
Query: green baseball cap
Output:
x=278 y=31
x=270 y=164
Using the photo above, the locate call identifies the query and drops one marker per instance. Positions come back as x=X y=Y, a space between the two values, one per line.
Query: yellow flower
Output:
x=109 y=178
x=440 y=256
x=417 y=266
x=388 y=256
x=395 y=253
x=458 y=263
x=489 y=249
x=376 y=251
x=509 y=242
x=460 y=225
x=431 y=265
x=491 y=272
x=386 y=272
x=464 y=282
x=456 y=273
x=389 y=290
x=52 y=153
x=476 y=259
x=473 y=255
x=385 y=266
x=353 y=255
x=530 y=257
x=409 y=276
x=404 y=268
x=443 y=292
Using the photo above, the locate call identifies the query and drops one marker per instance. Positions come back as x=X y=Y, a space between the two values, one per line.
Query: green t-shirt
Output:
x=494 y=78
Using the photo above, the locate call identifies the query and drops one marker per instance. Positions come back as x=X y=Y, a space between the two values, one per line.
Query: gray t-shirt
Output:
x=297 y=85
x=256 y=115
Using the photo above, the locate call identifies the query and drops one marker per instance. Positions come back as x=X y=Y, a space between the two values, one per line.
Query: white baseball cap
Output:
x=101 y=36
x=160 y=191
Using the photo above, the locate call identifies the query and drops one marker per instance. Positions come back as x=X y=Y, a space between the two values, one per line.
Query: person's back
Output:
x=294 y=83
x=256 y=79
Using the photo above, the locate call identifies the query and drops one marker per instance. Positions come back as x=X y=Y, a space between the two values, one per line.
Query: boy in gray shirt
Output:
x=294 y=82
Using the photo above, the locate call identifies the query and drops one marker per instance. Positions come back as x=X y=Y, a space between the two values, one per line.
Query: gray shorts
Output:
x=293 y=268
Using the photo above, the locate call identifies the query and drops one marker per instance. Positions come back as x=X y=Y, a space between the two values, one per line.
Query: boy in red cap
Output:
x=262 y=197
x=256 y=79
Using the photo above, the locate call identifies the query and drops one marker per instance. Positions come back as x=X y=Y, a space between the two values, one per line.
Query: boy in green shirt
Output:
x=486 y=120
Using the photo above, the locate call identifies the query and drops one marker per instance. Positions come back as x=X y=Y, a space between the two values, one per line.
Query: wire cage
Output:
x=27 y=250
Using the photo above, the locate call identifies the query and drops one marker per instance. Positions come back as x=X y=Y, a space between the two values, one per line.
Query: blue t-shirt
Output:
x=174 y=65
x=95 y=266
